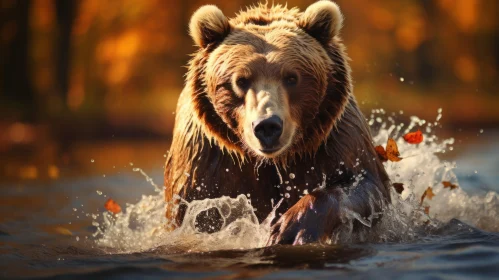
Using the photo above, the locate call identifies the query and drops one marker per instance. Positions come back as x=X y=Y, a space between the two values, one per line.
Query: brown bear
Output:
x=268 y=111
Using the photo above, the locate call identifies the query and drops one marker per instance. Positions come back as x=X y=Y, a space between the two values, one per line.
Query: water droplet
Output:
x=288 y=188
x=481 y=130
x=99 y=192
x=312 y=168
x=476 y=171
x=401 y=79
x=74 y=209
x=77 y=238
x=286 y=182
x=286 y=195
x=291 y=175
x=341 y=162
x=248 y=195
x=104 y=175
x=198 y=189
x=92 y=160
x=227 y=170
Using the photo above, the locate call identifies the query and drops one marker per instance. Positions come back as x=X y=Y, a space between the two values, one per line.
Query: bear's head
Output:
x=272 y=82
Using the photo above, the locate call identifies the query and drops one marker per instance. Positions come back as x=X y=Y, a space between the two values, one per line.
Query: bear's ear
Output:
x=208 y=25
x=322 y=20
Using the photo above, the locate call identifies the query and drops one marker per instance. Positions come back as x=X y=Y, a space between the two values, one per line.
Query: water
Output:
x=60 y=229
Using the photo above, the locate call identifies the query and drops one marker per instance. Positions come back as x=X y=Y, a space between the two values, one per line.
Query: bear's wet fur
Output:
x=295 y=64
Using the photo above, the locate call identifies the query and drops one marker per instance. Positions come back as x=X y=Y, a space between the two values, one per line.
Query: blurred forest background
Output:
x=97 y=81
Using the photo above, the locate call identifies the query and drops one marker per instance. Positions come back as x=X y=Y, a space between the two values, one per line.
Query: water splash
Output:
x=142 y=226
x=421 y=168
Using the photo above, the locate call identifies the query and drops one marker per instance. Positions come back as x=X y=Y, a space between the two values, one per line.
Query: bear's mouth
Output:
x=269 y=150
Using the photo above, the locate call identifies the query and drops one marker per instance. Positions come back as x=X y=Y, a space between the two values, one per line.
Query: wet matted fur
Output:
x=327 y=142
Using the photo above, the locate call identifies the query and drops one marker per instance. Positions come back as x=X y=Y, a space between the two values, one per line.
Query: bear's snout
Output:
x=268 y=131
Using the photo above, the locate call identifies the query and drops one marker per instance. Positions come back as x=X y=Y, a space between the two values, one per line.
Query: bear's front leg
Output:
x=315 y=216
x=311 y=219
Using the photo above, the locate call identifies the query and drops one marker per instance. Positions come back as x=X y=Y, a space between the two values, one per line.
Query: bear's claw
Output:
x=311 y=219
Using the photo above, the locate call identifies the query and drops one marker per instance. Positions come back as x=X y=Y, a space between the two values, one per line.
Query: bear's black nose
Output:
x=268 y=132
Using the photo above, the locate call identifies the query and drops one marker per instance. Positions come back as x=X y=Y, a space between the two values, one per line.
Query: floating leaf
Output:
x=392 y=150
x=399 y=187
x=448 y=184
x=381 y=153
x=414 y=137
x=391 y=153
x=112 y=206
x=63 y=231
x=428 y=193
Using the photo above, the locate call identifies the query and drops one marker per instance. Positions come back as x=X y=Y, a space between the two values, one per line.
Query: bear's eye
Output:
x=242 y=83
x=291 y=80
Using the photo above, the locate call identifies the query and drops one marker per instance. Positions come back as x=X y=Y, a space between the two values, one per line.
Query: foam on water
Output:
x=421 y=168
x=142 y=226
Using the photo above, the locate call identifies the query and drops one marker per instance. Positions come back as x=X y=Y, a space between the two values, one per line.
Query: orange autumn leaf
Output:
x=399 y=187
x=63 y=231
x=391 y=153
x=381 y=153
x=112 y=206
x=428 y=193
x=414 y=137
x=448 y=184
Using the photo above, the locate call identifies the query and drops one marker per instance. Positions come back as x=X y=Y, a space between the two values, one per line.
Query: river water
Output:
x=59 y=229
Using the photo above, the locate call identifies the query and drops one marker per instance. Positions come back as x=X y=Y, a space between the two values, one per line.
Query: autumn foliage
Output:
x=112 y=206
x=414 y=137
x=448 y=184
x=399 y=187
x=427 y=194
x=391 y=153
